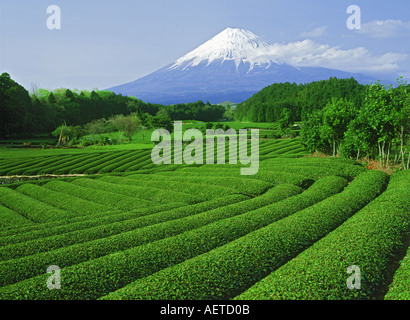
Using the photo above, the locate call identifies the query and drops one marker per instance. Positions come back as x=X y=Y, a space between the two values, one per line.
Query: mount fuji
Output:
x=228 y=67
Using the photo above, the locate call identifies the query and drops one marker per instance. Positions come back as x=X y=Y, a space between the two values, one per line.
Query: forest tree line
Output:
x=24 y=114
x=300 y=100
x=377 y=128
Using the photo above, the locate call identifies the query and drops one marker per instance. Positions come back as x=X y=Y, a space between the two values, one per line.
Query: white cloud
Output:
x=315 y=33
x=311 y=54
x=386 y=29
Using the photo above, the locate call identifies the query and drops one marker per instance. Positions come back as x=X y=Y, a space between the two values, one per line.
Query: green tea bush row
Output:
x=52 y=169
x=151 y=194
x=139 y=165
x=123 y=267
x=61 y=200
x=94 y=232
x=211 y=185
x=201 y=190
x=146 y=259
x=143 y=157
x=399 y=288
x=157 y=227
x=7 y=163
x=368 y=240
x=126 y=163
x=96 y=162
x=22 y=234
x=19 y=167
x=10 y=218
x=109 y=199
x=115 y=163
x=273 y=177
x=32 y=209
x=82 y=162
x=97 y=167
x=155 y=256
x=32 y=170
x=224 y=272
x=282 y=150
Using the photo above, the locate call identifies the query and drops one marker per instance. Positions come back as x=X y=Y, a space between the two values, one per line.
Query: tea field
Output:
x=122 y=228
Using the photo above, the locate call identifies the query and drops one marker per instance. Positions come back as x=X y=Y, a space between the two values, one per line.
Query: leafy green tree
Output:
x=286 y=121
x=96 y=127
x=15 y=104
x=312 y=134
x=129 y=125
x=64 y=133
x=162 y=121
x=51 y=98
x=337 y=116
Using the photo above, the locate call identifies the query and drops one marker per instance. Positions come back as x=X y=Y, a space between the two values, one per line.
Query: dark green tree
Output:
x=15 y=104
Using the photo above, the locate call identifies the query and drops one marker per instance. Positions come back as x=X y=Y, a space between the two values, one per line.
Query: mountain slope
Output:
x=225 y=68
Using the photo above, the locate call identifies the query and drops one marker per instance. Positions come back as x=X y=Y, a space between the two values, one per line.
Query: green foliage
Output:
x=399 y=288
x=229 y=269
x=371 y=130
x=10 y=218
x=302 y=100
x=368 y=240
x=162 y=121
x=136 y=262
x=15 y=106
x=144 y=230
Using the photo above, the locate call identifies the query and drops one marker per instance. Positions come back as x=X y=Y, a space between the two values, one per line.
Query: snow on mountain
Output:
x=236 y=45
x=232 y=66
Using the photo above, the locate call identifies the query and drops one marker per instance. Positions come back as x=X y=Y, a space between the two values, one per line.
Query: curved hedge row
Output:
x=368 y=240
x=200 y=189
x=400 y=287
x=150 y=194
x=208 y=184
x=121 y=166
x=32 y=169
x=20 y=166
x=36 y=231
x=106 y=198
x=227 y=270
x=73 y=160
x=97 y=167
x=33 y=265
x=35 y=246
x=126 y=265
x=61 y=200
x=96 y=162
x=273 y=177
x=32 y=209
x=123 y=161
x=10 y=218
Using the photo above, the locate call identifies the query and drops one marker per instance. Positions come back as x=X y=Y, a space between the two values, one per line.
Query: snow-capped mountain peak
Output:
x=232 y=66
x=231 y=44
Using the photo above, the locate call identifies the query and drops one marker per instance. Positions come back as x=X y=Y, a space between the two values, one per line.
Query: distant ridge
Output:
x=225 y=68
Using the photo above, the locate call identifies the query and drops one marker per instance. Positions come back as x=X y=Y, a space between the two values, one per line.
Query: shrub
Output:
x=227 y=270
x=399 y=288
x=368 y=240
x=151 y=228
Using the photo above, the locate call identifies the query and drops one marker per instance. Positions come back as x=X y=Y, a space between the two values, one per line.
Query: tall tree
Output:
x=14 y=105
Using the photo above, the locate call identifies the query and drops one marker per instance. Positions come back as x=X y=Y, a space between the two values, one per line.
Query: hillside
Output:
x=267 y=105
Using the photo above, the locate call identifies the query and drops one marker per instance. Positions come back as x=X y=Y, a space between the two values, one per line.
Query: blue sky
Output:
x=106 y=43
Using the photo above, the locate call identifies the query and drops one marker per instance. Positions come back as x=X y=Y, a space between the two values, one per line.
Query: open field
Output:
x=129 y=229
